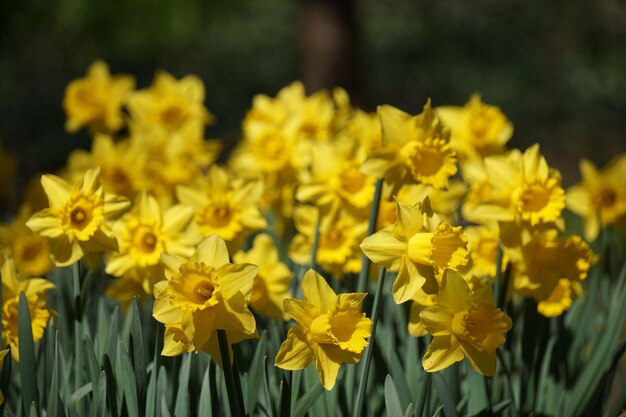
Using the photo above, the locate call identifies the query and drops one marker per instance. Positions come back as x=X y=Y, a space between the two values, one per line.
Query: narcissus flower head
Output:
x=79 y=218
x=463 y=323
x=202 y=294
x=331 y=330
x=415 y=149
x=420 y=247
x=271 y=285
x=96 y=100
x=35 y=291
x=601 y=196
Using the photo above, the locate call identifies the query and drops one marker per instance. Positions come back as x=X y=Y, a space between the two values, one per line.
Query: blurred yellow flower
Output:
x=3 y=353
x=29 y=250
x=169 y=105
x=144 y=233
x=225 y=206
x=35 y=291
x=601 y=197
x=415 y=149
x=463 y=324
x=96 y=100
x=78 y=221
x=203 y=294
x=338 y=247
x=310 y=117
x=483 y=248
x=419 y=246
x=331 y=330
x=271 y=285
x=122 y=165
x=419 y=302
x=478 y=129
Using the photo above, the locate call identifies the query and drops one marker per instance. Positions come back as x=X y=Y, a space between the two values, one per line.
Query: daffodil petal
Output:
x=295 y=352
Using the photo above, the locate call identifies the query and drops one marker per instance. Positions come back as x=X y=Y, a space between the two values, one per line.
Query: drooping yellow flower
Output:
x=338 y=247
x=122 y=165
x=601 y=197
x=169 y=105
x=522 y=191
x=96 y=100
x=415 y=149
x=201 y=295
x=29 y=250
x=35 y=291
x=463 y=323
x=478 y=129
x=575 y=259
x=271 y=285
x=225 y=206
x=78 y=221
x=331 y=330
x=144 y=233
x=419 y=246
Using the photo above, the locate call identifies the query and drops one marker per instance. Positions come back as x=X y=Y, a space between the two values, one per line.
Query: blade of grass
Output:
x=371 y=228
x=236 y=404
x=445 y=395
x=392 y=400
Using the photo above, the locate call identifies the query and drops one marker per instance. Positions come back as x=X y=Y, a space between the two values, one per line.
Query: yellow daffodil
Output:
x=169 y=105
x=575 y=259
x=122 y=165
x=337 y=183
x=601 y=197
x=78 y=221
x=271 y=285
x=463 y=323
x=331 y=330
x=201 y=295
x=144 y=233
x=96 y=100
x=225 y=206
x=419 y=246
x=365 y=128
x=338 y=247
x=522 y=193
x=478 y=129
x=415 y=149
x=35 y=291
x=29 y=250
x=310 y=117
x=483 y=248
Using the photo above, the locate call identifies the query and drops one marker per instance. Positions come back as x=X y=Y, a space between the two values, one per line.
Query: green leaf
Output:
x=409 y=411
x=255 y=376
x=285 y=398
x=165 y=412
x=392 y=400
x=138 y=350
x=52 y=406
x=90 y=361
x=181 y=408
x=445 y=395
x=112 y=389
x=501 y=406
x=101 y=404
x=305 y=402
x=204 y=405
x=478 y=397
x=28 y=366
x=81 y=392
x=126 y=376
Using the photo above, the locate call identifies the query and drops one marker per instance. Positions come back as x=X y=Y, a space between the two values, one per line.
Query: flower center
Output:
x=607 y=197
x=172 y=116
x=309 y=129
x=219 y=213
x=195 y=287
x=430 y=162
x=332 y=240
x=149 y=241
x=78 y=217
x=352 y=180
x=541 y=201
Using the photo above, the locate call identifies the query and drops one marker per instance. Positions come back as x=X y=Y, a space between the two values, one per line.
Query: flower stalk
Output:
x=371 y=228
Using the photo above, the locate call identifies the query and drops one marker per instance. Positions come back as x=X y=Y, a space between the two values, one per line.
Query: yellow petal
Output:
x=383 y=247
x=437 y=320
x=45 y=223
x=454 y=291
x=407 y=283
x=483 y=361
x=65 y=252
x=212 y=251
x=91 y=181
x=237 y=278
x=57 y=190
x=317 y=291
x=327 y=367
x=442 y=352
x=295 y=352
x=301 y=311
x=171 y=263
x=176 y=218
x=394 y=122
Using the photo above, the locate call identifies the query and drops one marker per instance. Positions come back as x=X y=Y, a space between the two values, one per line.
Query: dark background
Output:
x=557 y=68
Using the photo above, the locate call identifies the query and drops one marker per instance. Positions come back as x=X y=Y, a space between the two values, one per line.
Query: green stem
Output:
x=371 y=228
x=237 y=408
x=498 y=290
x=370 y=348
x=316 y=243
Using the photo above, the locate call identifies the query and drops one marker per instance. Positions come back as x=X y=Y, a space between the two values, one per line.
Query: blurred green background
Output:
x=556 y=68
